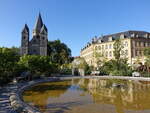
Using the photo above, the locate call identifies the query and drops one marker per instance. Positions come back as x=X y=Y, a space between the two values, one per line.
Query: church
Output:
x=38 y=44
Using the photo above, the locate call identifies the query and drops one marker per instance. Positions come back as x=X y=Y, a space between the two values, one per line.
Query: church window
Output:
x=34 y=51
x=34 y=41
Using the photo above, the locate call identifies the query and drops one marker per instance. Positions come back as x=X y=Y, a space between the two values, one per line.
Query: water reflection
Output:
x=91 y=96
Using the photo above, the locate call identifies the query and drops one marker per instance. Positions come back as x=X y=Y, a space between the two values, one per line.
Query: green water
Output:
x=90 y=96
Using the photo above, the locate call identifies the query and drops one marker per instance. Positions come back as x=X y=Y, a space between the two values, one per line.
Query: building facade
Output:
x=38 y=44
x=133 y=43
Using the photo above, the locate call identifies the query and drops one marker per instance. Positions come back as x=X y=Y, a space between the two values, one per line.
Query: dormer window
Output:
x=133 y=35
x=110 y=38
x=146 y=35
x=122 y=36
x=99 y=41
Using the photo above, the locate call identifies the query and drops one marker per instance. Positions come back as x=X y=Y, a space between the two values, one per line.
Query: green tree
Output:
x=15 y=50
x=59 y=52
x=80 y=63
x=111 y=68
x=147 y=52
x=117 y=52
x=119 y=65
x=8 y=64
x=147 y=60
x=37 y=65
x=99 y=58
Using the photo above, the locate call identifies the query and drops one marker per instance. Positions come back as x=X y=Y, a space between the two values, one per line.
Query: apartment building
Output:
x=133 y=43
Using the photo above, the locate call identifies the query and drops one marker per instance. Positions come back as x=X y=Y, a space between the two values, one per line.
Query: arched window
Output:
x=126 y=44
x=106 y=47
x=110 y=54
x=95 y=47
x=106 y=54
x=110 y=46
x=99 y=47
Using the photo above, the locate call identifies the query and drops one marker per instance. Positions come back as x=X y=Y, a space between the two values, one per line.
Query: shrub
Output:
x=37 y=65
x=111 y=68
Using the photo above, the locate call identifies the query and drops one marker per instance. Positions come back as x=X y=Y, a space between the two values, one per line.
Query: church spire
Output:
x=39 y=23
x=25 y=29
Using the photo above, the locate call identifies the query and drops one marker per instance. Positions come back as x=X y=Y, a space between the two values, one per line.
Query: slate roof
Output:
x=26 y=29
x=127 y=34
x=44 y=28
x=39 y=23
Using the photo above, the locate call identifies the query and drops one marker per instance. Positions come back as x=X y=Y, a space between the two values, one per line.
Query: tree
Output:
x=117 y=51
x=147 y=60
x=15 y=50
x=37 y=65
x=59 y=52
x=119 y=65
x=147 y=52
x=8 y=64
x=100 y=59
x=111 y=68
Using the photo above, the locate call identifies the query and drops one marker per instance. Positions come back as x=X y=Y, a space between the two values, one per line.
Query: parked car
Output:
x=95 y=73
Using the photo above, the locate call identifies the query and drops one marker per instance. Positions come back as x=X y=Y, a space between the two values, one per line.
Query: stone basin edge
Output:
x=24 y=86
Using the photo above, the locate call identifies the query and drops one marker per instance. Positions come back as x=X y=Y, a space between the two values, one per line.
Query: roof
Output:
x=44 y=28
x=25 y=29
x=39 y=23
x=127 y=34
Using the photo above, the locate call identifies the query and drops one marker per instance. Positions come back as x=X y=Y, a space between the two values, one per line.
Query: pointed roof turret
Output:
x=44 y=28
x=25 y=29
x=39 y=23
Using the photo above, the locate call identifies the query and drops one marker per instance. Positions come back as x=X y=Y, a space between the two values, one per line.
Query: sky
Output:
x=74 y=22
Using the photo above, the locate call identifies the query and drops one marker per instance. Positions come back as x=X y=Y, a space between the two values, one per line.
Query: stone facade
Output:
x=38 y=44
x=133 y=43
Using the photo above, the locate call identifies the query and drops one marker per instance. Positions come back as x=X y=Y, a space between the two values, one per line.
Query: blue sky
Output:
x=74 y=22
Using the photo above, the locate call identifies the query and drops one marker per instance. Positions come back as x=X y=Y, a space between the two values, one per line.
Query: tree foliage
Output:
x=37 y=65
x=117 y=49
x=59 y=52
x=119 y=65
x=111 y=68
x=117 y=52
x=8 y=64
x=147 y=52
x=147 y=60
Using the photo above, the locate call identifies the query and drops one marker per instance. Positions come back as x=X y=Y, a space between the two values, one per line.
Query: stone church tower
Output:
x=38 y=44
